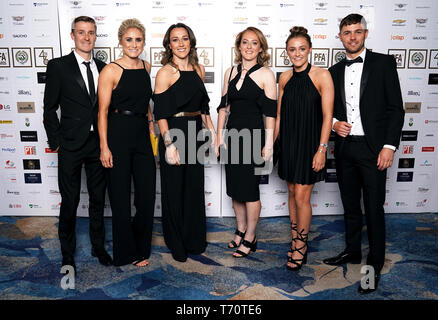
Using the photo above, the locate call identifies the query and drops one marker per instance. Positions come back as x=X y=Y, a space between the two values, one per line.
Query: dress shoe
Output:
x=103 y=257
x=343 y=258
x=369 y=290
x=68 y=261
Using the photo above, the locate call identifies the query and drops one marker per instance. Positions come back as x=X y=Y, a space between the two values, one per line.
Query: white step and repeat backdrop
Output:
x=32 y=32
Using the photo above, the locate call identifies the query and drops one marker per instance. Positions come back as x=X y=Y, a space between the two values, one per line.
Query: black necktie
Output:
x=91 y=89
x=350 y=62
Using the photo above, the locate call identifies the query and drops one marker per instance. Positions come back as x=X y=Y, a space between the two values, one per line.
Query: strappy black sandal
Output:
x=294 y=227
x=251 y=245
x=233 y=244
x=299 y=262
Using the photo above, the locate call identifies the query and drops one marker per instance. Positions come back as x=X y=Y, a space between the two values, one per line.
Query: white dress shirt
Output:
x=83 y=69
x=352 y=76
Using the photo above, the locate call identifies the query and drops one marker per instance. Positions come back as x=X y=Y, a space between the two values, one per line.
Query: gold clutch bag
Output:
x=154 y=143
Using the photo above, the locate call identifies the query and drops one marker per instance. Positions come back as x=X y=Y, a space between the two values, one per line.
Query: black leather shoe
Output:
x=369 y=290
x=103 y=257
x=343 y=258
x=68 y=261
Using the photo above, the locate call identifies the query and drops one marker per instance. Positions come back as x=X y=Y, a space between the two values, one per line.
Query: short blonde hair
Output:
x=131 y=23
x=263 y=57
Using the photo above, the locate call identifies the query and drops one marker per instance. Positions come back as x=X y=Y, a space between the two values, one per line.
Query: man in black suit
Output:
x=72 y=85
x=368 y=118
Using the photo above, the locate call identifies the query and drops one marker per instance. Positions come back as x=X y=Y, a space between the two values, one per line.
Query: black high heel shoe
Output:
x=233 y=243
x=251 y=245
x=299 y=262
x=294 y=227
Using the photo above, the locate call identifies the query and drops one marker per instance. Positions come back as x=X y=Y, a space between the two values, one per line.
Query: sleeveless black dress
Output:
x=247 y=107
x=129 y=143
x=182 y=187
x=300 y=129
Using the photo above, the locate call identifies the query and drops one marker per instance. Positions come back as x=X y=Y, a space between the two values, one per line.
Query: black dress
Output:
x=129 y=143
x=300 y=129
x=182 y=187
x=247 y=107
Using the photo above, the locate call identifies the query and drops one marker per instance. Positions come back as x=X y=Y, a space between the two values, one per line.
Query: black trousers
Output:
x=356 y=167
x=69 y=180
x=133 y=159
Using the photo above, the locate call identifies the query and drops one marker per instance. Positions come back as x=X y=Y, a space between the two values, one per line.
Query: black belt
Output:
x=355 y=138
x=130 y=113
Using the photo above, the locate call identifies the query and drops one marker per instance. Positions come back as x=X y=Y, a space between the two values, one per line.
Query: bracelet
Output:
x=169 y=144
x=321 y=150
x=325 y=145
x=149 y=121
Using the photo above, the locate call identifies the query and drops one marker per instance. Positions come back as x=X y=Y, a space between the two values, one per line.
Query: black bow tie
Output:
x=350 y=62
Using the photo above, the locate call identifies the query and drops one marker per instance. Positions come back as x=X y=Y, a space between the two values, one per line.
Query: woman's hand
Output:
x=172 y=155
x=318 y=161
x=219 y=143
x=267 y=152
x=106 y=158
x=152 y=127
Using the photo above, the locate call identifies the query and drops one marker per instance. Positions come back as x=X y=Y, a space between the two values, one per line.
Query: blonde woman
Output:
x=249 y=94
x=125 y=121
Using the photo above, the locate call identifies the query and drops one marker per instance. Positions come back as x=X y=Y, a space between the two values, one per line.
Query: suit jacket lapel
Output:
x=342 y=87
x=76 y=73
x=365 y=72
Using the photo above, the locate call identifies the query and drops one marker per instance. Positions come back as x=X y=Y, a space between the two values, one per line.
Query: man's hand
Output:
x=385 y=158
x=342 y=128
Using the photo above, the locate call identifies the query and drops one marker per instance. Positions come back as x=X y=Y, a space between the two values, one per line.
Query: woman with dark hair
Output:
x=304 y=120
x=249 y=94
x=125 y=121
x=181 y=108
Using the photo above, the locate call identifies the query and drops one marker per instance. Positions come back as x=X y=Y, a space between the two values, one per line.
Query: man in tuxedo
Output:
x=71 y=84
x=368 y=118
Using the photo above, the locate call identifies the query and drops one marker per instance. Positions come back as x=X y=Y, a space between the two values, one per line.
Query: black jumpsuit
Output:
x=129 y=143
x=182 y=187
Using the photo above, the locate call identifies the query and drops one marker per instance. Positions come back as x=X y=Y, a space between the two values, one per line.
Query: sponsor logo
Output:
x=409 y=135
x=330 y=177
x=31 y=164
x=412 y=107
x=400 y=7
x=6 y=122
x=398 y=23
x=27 y=136
x=48 y=150
x=9 y=150
x=408 y=149
x=41 y=77
x=397 y=37
x=426 y=163
x=32 y=178
x=421 y=204
x=22 y=92
x=401 y=204
x=405 y=176
x=433 y=78
x=414 y=93
x=5 y=107
x=15 y=193
x=30 y=150
x=423 y=189
x=428 y=149
x=26 y=107
x=14 y=206
x=430 y=121
x=9 y=164
x=319 y=36
x=421 y=22
x=419 y=38
x=405 y=163
x=6 y=136
x=19 y=36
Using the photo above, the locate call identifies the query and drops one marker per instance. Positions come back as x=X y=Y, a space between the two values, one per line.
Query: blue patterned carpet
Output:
x=30 y=262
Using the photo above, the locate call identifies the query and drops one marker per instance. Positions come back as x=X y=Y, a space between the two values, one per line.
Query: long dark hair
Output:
x=168 y=55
